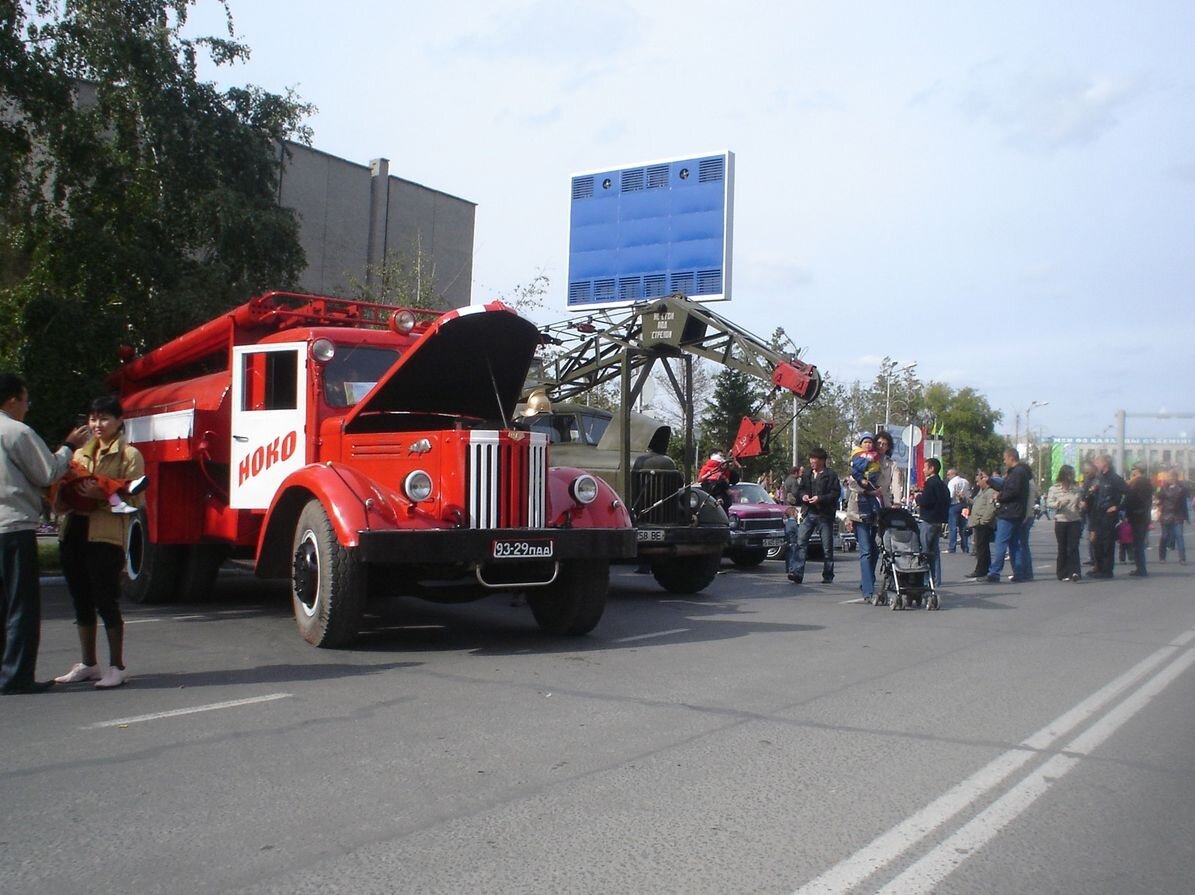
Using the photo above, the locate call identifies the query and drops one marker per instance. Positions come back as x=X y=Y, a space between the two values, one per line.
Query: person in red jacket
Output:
x=716 y=476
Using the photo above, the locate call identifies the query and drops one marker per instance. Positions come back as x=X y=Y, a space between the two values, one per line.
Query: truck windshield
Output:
x=353 y=371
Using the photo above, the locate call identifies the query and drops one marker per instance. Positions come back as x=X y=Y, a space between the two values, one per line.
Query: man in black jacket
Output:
x=934 y=502
x=1103 y=496
x=1138 y=504
x=818 y=493
x=1010 y=514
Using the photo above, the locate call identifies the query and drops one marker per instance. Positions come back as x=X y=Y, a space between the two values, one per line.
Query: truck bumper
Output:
x=660 y=541
x=756 y=540
x=496 y=545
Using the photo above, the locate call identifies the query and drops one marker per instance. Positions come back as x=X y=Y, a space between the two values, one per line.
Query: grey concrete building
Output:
x=353 y=218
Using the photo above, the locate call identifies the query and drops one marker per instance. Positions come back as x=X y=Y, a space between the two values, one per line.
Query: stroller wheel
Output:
x=898 y=602
x=932 y=602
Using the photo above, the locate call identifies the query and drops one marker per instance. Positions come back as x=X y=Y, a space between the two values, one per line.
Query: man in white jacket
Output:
x=27 y=468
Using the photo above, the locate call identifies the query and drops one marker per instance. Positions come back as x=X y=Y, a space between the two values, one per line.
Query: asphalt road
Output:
x=758 y=738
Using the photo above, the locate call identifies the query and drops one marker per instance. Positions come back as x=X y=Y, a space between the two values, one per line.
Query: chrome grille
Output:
x=507 y=479
x=655 y=497
x=761 y=524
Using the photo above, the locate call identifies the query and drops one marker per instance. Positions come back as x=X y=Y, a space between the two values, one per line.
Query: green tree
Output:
x=895 y=395
x=402 y=280
x=135 y=200
x=968 y=426
x=735 y=396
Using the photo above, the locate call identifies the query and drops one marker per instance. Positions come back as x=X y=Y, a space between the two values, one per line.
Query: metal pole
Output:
x=1120 y=415
x=687 y=416
x=796 y=431
x=888 y=403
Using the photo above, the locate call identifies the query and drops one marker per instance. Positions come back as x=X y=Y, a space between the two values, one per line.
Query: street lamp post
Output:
x=907 y=368
x=1029 y=434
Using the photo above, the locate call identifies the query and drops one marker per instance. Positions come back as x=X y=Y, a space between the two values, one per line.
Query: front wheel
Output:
x=572 y=604
x=327 y=582
x=686 y=574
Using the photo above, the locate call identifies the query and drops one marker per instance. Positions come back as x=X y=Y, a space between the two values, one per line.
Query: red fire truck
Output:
x=361 y=451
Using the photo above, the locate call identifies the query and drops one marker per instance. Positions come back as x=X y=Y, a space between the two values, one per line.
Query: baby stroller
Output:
x=904 y=569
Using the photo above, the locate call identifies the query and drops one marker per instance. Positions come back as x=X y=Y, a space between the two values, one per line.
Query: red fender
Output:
x=342 y=491
x=607 y=511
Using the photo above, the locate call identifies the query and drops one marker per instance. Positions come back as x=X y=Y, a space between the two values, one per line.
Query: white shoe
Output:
x=80 y=672
x=123 y=508
x=113 y=677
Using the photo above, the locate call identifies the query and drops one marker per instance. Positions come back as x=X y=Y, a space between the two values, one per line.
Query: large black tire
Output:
x=746 y=559
x=572 y=604
x=200 y=565
x=328 y=587
x=686 y=574
x=152 y=570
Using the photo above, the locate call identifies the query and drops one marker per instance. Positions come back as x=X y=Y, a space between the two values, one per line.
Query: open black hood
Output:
x=471 y=362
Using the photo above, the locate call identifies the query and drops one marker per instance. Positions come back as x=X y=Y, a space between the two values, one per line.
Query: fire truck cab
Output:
x=361 y=451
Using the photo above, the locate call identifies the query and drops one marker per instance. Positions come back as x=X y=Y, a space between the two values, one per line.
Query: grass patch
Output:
x=48 y=560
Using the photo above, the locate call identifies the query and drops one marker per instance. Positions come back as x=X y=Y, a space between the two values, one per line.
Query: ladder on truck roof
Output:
x=257 y=318
x=626 y=343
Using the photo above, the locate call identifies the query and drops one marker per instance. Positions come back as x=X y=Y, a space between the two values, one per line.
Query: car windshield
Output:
x=353 y=371
x=749 y=492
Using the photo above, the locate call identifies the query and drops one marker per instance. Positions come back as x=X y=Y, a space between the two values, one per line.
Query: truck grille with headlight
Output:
x=507 y=474
x=657 y=497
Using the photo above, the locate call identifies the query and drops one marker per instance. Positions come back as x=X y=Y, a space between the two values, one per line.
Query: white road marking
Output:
x=656 y=634
x=185 y=618
x=211 y=707
x=923 y=875
x=889 y=846
x=140 y=621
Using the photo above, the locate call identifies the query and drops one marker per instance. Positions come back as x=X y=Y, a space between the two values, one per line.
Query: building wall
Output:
x=1158 y=454
x=353 y=216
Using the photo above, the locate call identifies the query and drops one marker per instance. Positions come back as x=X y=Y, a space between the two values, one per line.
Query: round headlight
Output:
x=323 y=350
x=735 y=521
x=417 y=485
x=694 y=500
x=584 y=489
x=402 y=322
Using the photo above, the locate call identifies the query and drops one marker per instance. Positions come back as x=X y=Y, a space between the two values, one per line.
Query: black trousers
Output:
x=1140 y=528
x=92 y=573
x=1103 y=550
x=1068 y=534
x=982 y=539
x=20 y=608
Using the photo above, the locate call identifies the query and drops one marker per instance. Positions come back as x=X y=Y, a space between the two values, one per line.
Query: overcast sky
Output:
x=1001 y=192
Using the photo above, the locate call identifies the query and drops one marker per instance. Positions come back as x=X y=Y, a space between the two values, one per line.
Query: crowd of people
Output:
x=992 y=519
x=101 y=475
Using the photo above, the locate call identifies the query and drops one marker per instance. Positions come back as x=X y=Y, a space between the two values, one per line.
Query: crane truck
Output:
x=681 y=532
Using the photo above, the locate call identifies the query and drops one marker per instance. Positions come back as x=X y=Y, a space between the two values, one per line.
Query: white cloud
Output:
x=1041 y=113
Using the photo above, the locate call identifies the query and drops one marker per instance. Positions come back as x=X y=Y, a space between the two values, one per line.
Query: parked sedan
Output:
x=756 y=525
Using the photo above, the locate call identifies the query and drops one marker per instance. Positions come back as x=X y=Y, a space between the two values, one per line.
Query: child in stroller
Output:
x=904 y=570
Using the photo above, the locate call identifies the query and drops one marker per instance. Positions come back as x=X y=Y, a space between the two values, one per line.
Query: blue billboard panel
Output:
x=642 y=232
